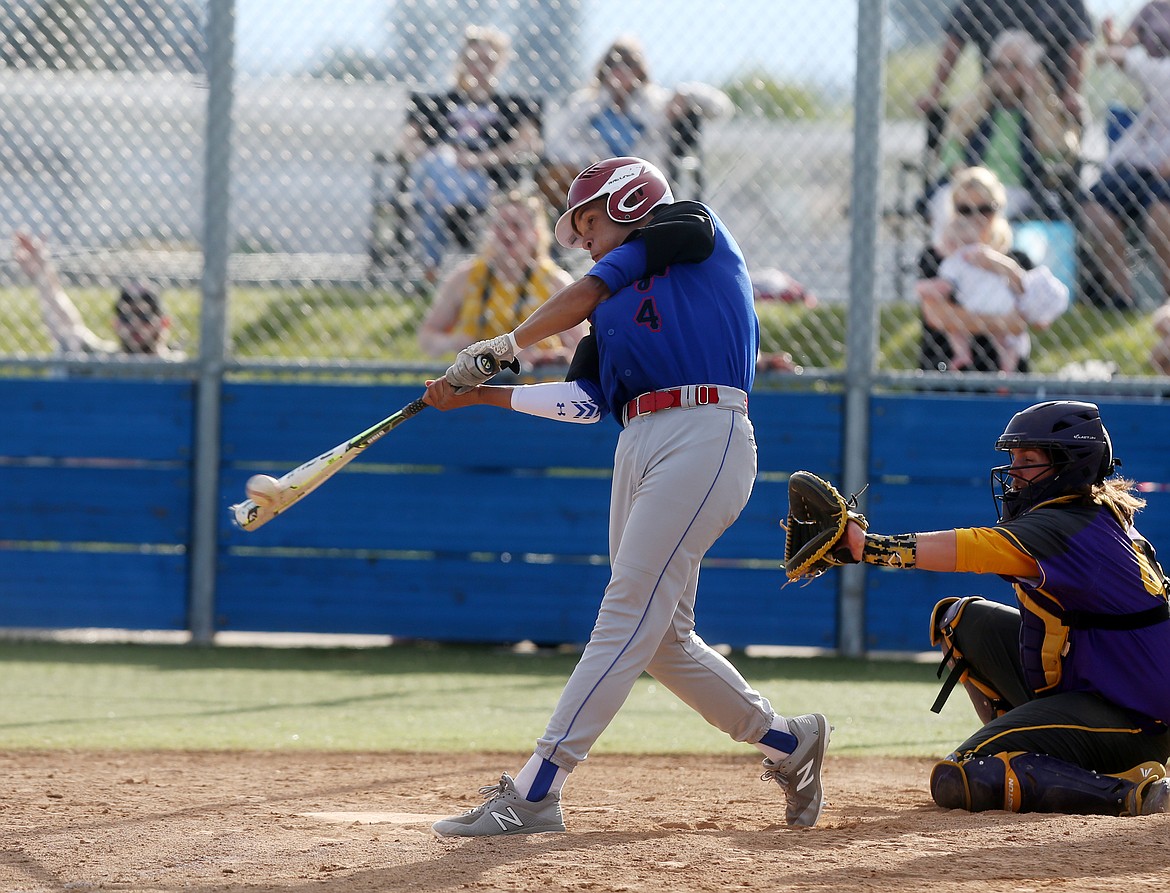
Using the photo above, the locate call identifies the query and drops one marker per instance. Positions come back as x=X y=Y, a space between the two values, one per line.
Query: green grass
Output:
x=421 y=697
x=380 y=325
x=265 y=323
x=816 y=337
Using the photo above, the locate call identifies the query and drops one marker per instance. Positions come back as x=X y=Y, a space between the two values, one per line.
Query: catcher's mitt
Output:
x=813 y=530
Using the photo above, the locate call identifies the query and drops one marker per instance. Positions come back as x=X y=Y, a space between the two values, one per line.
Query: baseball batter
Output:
x=671 y=356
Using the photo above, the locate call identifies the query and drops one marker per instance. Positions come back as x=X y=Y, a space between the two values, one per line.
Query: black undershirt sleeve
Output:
x=586 y=363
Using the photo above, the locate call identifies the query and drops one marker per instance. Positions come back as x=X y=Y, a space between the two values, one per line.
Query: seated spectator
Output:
x=463 y=144
x=1015 y=125
x=622 y=112
x=511 y=275
x=1134 y=186
x=139 y=322
x=983 y=284
x=979 y=197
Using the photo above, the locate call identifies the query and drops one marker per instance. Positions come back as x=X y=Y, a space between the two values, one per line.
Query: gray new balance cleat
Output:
x=504 y=811
x=799 y=773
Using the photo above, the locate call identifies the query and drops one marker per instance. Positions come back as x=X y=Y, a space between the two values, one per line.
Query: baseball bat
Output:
x=307 y=477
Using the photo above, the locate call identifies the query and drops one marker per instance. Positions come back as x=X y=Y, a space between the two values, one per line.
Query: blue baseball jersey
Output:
x=680 y=310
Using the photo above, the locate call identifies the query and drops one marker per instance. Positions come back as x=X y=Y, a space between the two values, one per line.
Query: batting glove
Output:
x=480 y=361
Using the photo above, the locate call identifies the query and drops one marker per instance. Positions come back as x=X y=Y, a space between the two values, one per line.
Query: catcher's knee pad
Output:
x=975 y=783
x=945 y=615
x=1029 y=782
x=944 y=623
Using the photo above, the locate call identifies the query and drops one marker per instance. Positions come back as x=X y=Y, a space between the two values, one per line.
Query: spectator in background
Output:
x=1135 y=181
x=1063 y=29
x=1014 y=125
x=140 y=324
x=984 y=283
x=623 y=113
x=463 y=144
x=979 y=197
x=511 y=275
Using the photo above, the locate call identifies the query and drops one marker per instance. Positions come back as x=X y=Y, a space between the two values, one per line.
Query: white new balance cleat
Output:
x=504 y=811
x=799 y=773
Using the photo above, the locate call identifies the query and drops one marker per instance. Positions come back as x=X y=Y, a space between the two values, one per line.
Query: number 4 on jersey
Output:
x=647 y=315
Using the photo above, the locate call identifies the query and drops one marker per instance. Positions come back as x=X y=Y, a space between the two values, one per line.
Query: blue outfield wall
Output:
x=483 y=525
x=477 y=525
x=95 y=503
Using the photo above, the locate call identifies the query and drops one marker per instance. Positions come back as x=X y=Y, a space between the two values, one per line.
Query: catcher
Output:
x=1073 y=685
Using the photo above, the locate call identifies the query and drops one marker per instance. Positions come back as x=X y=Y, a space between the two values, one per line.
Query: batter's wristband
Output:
x=900 y=550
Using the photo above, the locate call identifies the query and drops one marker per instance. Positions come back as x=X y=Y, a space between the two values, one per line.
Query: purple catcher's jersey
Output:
x=1092 y=568
x=680 y=313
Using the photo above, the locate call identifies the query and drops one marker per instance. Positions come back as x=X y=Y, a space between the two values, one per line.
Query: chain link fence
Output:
x=337 y=251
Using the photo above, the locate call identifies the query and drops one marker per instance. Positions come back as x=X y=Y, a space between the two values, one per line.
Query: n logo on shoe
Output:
x=503 y=819
x=805 y=777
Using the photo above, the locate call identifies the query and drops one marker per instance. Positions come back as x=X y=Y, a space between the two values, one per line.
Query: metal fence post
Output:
x=213 y=326
x=862 y=328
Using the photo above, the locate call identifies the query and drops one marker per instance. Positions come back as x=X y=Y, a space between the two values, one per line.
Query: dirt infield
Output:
x=328 y=823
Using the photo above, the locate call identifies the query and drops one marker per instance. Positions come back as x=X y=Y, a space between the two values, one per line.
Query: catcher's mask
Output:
x=632 y=188
x=1077 y=445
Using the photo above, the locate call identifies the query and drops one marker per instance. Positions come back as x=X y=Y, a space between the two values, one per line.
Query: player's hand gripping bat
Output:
x=304 y=479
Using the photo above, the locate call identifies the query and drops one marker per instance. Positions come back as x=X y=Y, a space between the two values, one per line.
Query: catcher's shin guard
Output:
x=944 y=620
x=975 y=784
x=1032 y=782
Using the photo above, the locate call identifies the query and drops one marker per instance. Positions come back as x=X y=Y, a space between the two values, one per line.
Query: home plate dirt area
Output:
x=358 y=822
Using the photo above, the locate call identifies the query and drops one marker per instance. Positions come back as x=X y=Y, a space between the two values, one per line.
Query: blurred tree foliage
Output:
x=758 y=94
x=352 y=64
x=909 y=72
x=102 y=35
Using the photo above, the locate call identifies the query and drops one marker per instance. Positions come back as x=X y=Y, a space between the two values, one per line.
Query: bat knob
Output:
x=489 y=365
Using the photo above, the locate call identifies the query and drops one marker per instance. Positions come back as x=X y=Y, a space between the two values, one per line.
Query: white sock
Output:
x=780 y=726
x=532 y=773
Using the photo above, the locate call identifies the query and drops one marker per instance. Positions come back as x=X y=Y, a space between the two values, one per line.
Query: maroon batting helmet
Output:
x=632 y=187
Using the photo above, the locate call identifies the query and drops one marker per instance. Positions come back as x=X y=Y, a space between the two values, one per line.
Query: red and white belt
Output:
x=686 y=397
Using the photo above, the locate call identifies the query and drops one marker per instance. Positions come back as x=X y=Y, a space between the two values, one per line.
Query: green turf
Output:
x=369 y=324
x=420 y=697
